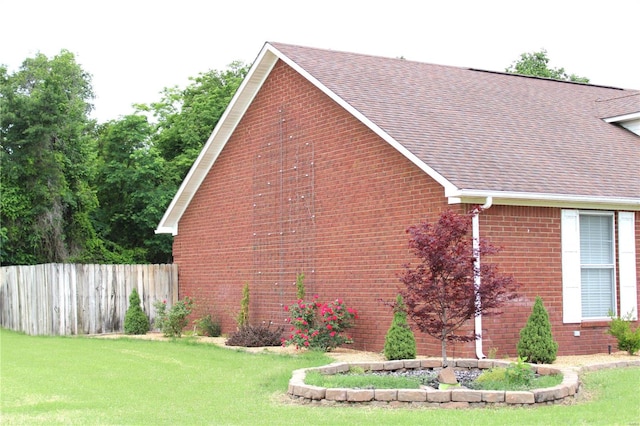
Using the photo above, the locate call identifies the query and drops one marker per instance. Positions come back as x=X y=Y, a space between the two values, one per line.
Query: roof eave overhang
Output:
x=621 y=118
x=448 y=186
x=245 y=94
x=226 y=125
x=543 y=200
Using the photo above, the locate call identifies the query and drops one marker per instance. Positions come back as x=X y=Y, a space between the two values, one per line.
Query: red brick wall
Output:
x=302 y=186
x=364 y=196
x=530 y=237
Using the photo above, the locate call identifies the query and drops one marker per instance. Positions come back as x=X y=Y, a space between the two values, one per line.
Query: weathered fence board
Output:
x=64 y=298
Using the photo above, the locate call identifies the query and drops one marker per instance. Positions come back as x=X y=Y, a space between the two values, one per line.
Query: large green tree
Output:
x=74 y=191
x=133 y=190
x=537 y=64
x=186 y=117
x=46 y=157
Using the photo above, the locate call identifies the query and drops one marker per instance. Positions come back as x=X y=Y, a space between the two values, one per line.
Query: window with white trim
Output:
x=597 y=269
x=589 y=287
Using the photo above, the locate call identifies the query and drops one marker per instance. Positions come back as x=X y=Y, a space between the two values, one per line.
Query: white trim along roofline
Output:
x=509 y=198
x=216 y=142
x=240 y=102
x=625 y=117
x=248 y=89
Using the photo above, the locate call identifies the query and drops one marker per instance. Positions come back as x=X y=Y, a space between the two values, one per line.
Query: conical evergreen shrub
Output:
x=399 y=343
x=135 y=320
x=536 y=343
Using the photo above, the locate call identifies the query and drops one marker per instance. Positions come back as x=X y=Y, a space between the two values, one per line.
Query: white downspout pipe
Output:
x=475 y=229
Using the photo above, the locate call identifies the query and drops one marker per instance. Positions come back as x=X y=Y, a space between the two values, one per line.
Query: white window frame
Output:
x=624 y=277
x=610 y=266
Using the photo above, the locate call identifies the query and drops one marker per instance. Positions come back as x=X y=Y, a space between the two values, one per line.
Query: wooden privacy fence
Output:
x=64 y=298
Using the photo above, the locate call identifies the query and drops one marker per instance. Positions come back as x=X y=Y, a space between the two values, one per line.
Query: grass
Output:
x=497 y=378
x=536 y=383
x=364 y=380
x=85 y=381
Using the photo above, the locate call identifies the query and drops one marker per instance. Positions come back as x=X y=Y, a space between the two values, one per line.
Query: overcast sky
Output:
x=135 y=48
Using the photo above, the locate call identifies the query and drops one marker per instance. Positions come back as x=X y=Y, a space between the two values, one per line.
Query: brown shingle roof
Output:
x=490 y=131
x=519 y=140
x=625 y=103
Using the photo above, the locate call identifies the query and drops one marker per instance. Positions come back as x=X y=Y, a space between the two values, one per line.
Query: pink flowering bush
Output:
x=319 y=326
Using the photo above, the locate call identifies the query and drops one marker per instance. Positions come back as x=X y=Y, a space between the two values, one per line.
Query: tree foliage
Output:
x=133 y=190
x=440 y=291
x=537 y=64
x=74 y=191
x=135 y=320
x=536 y=342
x=47 y=153
x=187 y=117
x=399 y=342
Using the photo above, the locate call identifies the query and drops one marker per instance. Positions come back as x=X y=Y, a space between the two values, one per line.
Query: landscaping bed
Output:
x=427 y=395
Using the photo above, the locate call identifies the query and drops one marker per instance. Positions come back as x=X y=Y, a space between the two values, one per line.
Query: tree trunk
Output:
x=444 y=352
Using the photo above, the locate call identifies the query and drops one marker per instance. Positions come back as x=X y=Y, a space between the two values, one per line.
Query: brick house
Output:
x=324 y=158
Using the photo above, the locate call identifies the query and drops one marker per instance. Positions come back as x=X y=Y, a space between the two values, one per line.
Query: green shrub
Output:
x=243 y=316
x=519 y=373
x=628 y=339
x=492 y=375
x=300 y=291
x=135 y=320
x=536 y=343
x=517 y=376
x=172 y=322
x=399 y=343
x=207 y=326
x=256 y=336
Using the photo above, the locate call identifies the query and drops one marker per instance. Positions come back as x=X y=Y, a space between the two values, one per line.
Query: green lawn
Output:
x=78 y=380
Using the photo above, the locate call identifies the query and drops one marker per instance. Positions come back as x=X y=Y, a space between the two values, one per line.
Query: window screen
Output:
x=596 y=264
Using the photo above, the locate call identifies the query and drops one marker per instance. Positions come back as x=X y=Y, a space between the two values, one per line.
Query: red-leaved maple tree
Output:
x=441 y=294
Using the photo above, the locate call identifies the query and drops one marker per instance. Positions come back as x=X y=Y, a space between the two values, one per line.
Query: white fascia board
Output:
x=631 y=122
x=448 y=186
x=543 y=200
x=217 y=140
x=625 y=117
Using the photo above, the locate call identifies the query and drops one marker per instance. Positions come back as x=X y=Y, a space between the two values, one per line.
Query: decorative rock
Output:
x=485 y=363
x=427 y=396
x=411 y=363
x=493 y=396
x=550 y=394
x=385 y=394
x=438 y=396
x=360 y=395
x=519 y=397
x=447 y=376
x=431 y=363
x=377 y=366
x=412 y=395
x=328 y=370
x=314 y=392
x=467 y=363
x=546 y=371
x=466 y=395
x=336 y=394
x=393 y=365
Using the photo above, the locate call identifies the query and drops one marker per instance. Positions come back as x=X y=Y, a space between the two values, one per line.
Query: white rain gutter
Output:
x=475 y=229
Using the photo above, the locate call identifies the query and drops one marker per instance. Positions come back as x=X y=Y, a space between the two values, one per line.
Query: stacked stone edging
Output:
x=450 y=398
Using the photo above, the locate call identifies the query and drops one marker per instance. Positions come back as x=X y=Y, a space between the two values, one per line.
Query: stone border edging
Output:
x=426 y=396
